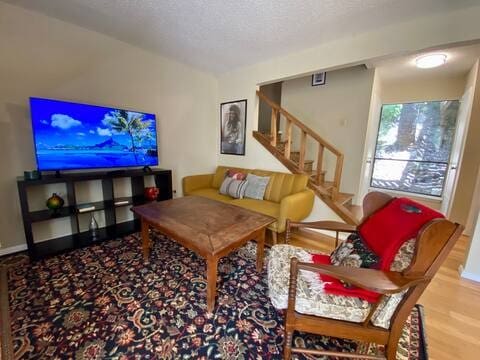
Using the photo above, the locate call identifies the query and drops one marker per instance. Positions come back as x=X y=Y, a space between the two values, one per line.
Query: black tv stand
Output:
x=116 y=172
x=111 y=199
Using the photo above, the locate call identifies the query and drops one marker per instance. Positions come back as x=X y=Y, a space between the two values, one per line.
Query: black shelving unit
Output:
x=108 y=204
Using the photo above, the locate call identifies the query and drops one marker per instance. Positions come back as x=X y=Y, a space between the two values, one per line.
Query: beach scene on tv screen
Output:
x=79 y=136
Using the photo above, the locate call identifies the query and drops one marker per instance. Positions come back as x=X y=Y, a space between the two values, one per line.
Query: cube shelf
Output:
x=109 y=203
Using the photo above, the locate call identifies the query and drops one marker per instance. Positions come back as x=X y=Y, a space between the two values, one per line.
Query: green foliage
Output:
x=389 y=119
x=126 y=122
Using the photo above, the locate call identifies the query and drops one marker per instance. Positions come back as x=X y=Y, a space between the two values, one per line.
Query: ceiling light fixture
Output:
x=430 y=61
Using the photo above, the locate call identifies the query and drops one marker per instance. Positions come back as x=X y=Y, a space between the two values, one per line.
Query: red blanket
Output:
x=334 y=286
x=387 y=229
x=384 y=232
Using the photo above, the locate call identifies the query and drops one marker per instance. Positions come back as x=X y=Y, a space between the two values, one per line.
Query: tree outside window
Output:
x=413 y=148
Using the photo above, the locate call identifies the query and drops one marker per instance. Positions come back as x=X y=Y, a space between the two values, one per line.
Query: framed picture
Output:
x=319 y=78
x=233 y=121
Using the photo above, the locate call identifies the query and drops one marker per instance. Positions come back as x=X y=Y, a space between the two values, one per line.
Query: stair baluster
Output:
x=273 y=127
x=288 y=144
x=295 y=161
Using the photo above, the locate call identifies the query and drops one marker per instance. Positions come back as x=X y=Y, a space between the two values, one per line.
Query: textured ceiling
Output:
x=220 y=35
x=402 y=68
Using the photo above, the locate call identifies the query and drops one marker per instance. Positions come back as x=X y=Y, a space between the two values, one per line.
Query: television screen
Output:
x=71 y=136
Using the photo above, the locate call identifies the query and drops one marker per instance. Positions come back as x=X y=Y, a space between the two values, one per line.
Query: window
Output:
x=413 y=148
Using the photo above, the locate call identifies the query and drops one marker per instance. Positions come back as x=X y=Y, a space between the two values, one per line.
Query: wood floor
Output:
x=452 y=305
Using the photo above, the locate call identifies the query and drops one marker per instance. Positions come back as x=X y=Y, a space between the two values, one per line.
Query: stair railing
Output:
x=305 y=131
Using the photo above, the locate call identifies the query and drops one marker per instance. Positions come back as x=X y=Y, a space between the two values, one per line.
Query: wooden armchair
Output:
x=381 y=322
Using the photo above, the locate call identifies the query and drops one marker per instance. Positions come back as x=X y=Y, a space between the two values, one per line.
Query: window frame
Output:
x=412 y=193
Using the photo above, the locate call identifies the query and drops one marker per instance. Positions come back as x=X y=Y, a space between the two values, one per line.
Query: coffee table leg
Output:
x=260 y=250
x=211 y=283
x=145 y=240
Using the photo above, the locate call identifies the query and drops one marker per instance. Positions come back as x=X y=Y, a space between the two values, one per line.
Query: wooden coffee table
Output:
x=210 y=228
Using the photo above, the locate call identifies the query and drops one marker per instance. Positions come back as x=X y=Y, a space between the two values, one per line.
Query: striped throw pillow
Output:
x=234 y=188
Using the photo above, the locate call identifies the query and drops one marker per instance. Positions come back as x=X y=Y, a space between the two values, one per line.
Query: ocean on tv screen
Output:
x=79 y=136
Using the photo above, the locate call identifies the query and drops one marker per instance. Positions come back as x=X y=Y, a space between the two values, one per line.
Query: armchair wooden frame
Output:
x=434 y=242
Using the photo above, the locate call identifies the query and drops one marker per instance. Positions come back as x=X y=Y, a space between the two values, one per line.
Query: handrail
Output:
x=305 y=131
x=297 y=122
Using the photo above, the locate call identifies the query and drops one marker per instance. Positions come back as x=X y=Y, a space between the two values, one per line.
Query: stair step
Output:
x=313 y=175
x=355 y=210
x=326 y=185
x=344 y=199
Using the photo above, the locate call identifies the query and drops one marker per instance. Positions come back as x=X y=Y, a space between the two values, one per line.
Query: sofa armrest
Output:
x=194 y=182
x=295 y=207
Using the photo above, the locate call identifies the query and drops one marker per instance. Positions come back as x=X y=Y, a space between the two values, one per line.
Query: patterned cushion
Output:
x=354 y=252
x=256 y=186
x=235 y=174
x=234 y=188
x=313 y=301
x=309 y=300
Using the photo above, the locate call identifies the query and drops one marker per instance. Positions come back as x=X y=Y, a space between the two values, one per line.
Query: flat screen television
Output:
x=72 y=136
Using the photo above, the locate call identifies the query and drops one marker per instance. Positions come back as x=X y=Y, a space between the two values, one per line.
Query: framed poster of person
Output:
x=233 y=121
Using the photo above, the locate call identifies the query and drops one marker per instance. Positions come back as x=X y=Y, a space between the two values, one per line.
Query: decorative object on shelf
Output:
x=319 y=78
x=32 y=175
x=151 y=193
x=55 y=202
x=93 y=227
x=81 y=208
x=233 y=121
x=108 y=202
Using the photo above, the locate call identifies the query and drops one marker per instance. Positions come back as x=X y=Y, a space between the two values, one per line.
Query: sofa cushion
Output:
x=256 y=186
x=313 y=300
x=282 y=184
x=211 y=193
x=233 y=187
x=237 y=175
x=221 y=172
x=262 y=206
x=309 y=300
x=354 y=252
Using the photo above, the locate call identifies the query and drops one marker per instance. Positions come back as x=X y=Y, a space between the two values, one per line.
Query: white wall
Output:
x=411 y=36
x=472 y=265
x=338 y=112
x=423 y=89
x=45 y=57
x=470 y=161
x=370 y=138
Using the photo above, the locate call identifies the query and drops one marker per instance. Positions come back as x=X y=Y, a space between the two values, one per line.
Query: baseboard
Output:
x=470 y=276
x=13 y=249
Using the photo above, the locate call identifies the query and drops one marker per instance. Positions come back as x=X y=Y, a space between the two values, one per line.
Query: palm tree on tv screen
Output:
x=126 y=122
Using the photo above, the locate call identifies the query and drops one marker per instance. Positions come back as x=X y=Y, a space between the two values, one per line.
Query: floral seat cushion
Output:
x=311 y=298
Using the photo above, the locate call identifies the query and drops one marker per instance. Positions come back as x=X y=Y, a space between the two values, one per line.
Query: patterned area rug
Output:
x=104 y=302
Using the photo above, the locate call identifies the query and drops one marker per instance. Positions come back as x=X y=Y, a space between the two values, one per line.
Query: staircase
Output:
x=280 y=145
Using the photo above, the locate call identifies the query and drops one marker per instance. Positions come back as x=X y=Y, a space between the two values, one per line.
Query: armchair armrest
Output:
x=383 y=282
x=296 y=207
x=336 y=226
x=325 y=225
x=194 y=182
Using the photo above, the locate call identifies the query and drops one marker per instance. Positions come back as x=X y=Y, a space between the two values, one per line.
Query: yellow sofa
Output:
x=286 y=196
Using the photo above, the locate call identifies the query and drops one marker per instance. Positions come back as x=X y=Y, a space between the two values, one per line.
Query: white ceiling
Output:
x=220 y=35
x=402 y=68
